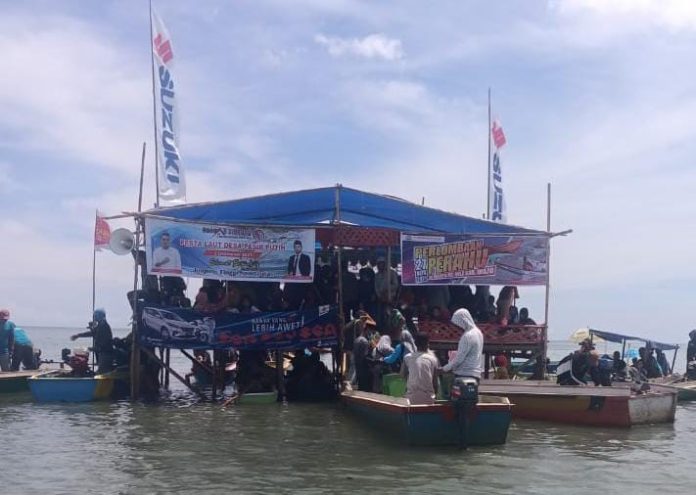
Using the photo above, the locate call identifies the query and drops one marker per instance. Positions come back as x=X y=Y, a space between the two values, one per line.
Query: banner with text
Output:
x=172 y=180
x=497 y=209
x=454 y=259
x=224 y=252
x=184 y=328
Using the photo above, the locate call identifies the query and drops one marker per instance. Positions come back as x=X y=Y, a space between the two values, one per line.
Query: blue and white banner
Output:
x=497 y=208
x=181 y=328
x=172 y=182
x=228 y=252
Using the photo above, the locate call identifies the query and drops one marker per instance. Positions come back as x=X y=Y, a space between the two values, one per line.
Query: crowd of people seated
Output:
x=370 y=285
x=586 y=365
x=367 y=283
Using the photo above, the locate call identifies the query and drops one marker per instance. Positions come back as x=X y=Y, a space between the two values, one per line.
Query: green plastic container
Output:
x=394 y=385
x=259 y=398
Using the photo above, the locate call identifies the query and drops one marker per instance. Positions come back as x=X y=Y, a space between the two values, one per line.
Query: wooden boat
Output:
x=685 y=390
x=435 y=424
x=60 y=386
x=593 y=406
x=15 y=381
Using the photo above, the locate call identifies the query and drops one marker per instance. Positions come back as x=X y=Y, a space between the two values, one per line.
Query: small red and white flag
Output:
x=498 y=135
x=102 y=233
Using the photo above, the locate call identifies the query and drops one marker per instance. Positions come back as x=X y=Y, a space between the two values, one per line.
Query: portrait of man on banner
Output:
x=166 y=259
x=299 y=264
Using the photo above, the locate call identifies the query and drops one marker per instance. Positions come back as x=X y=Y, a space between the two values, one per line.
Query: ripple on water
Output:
x=180 y=444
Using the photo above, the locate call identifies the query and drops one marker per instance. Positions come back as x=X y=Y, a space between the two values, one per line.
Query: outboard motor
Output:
x=464 y=395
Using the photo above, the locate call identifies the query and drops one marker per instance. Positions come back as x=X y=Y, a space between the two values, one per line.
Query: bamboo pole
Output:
x=154 y=112
x=215 y=368
x=94 y=280
x=135 y=344
x=341 y=316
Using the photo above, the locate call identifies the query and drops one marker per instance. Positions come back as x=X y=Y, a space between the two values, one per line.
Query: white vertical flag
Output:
x=497 y=207
x=172 y=182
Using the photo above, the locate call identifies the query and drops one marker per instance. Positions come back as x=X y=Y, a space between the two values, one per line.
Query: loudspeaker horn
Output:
x=121 y=241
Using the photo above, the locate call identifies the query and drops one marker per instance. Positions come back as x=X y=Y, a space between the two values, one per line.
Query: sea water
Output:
x=181 y=445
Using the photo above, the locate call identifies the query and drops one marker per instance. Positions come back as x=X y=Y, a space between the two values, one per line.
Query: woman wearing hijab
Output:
x=406 y=345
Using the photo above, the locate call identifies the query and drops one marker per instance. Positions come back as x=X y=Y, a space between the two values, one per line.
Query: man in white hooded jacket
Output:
x=467 y=361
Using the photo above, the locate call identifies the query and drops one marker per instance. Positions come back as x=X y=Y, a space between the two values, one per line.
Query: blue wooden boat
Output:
x=60 y=386
x=436 y=424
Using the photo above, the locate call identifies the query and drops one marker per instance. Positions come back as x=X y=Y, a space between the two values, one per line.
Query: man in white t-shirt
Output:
x=165 y=258
x=420 y=370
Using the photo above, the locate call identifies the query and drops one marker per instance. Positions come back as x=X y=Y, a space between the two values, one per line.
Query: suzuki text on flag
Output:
x=497 y=198
x=172 y=183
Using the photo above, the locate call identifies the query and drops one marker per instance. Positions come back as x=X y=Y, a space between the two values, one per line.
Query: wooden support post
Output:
x=280 y=381
x=215 y=368
x=167 y=355
x=176 y=375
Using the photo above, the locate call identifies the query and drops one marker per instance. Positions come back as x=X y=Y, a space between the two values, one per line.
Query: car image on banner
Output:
x=173 y=327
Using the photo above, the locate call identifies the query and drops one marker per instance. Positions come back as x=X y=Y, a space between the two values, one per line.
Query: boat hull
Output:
x=15 y=381
x=56 y=387
x=436 y=424
x=591 y=406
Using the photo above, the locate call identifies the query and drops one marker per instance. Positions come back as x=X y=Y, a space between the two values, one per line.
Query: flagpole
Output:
x=548 y=277
x=94 y=279
x=488 y=192
x=94 y=263
x=154 y=112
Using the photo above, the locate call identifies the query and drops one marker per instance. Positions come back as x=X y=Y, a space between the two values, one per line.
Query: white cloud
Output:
x=373 y=46
x=69 y=89
x=671 y=14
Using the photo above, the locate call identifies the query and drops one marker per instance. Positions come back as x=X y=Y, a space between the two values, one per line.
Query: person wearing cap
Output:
x=100 y=331
x=361 y=352
x=467 y=361
x=351 y=332
x=6 y=339
x=573 y=368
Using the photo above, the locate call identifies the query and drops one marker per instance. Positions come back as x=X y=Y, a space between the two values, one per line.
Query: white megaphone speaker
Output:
x=121 y=241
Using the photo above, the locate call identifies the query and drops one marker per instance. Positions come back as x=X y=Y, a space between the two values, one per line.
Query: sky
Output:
x=595 y=96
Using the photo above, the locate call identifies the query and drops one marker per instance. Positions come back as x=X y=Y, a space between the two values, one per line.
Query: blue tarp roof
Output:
x=617 y=337
x=318 y=206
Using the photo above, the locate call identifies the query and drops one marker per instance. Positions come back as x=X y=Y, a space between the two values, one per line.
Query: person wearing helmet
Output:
x=6 y=339
x=467 y=361
x=100 y=331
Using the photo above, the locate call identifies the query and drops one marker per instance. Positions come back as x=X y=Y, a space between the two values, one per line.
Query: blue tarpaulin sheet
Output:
x=619 y=338
x=318 y=206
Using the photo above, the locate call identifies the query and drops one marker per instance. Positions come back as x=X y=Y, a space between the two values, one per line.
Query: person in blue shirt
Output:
x=6 y=339
x=23 y=351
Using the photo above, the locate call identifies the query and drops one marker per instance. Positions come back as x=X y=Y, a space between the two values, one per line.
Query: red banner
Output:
x=102 y=233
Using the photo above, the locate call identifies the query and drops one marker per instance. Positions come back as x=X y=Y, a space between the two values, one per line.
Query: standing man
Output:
x=361 y=353
x=100 y=331
x=467 y=362
x=165 y=258
x=6 y=339
x=299 y=264
x=386 y=282
x=420 y=370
